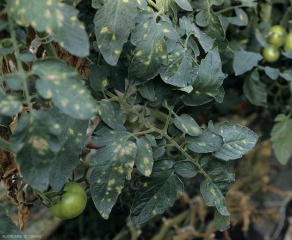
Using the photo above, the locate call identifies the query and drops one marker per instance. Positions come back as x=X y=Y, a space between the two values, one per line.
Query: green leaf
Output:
x=287 y=75
x=245 y=61
x=14 y=81
x=72 y=138
x=238 y=140
x=214 y=197
x=287 y=54
x=187 y=124
x=184 y=4
x=35 y=140
x=107 y=113
x=223 y=180
x=156 y=192
x=241 y=18
x=255 y=90
x=57 y=19
x=114 y=22
x=272 y=73
x=144 y=158
x=282 y=139
x=9 y=104
x=5 y=145
x=7 y=226
x=207 y=142
x=205 y=40
x=185 y=168
x=112 y=165
x=147 y=90
x=216 y=31
x=203 y=18
x=222 y=222
x=208 y=80
x=59 y=82
x=179 y=70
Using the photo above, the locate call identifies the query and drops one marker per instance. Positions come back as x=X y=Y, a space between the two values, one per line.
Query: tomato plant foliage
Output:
x=153 y=66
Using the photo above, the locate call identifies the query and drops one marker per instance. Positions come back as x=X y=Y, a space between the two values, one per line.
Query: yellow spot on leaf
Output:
x=139 y=53
x=71 y=131
x=103 y=29
x=111 y=182
x=165 y=30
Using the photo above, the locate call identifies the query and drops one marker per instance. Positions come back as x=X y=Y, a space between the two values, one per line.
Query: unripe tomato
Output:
x=277 y=35
x=271 y=54
x=71 y=203
x=288 y=43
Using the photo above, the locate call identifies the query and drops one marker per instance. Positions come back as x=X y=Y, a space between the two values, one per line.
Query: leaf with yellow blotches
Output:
x=113 y=164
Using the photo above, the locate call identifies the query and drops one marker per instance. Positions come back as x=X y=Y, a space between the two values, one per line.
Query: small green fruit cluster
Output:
x=276 y=39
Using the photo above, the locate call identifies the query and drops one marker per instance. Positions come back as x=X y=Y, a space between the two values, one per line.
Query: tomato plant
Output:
x=271 y=54
x=117 y=94
x=71 y=203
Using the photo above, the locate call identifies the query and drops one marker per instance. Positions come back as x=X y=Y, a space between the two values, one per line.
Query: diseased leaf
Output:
x=72 y=138
x=113 y=164
x=59 y=82
x=179 y=70
x=156 y=192
x=282 y=139
x=107 y=113
x=208 y=82
x=106 y=136
x=245 y=61
x=56 y=18
x=185 y=169
x=238 y=140
x=113 y=23
x=35 y=140
x=254 y=90
x=9 y=104
x=144 y=158
x=205 y=143
x=214 y=197
x=187 y=125
x=98 y=77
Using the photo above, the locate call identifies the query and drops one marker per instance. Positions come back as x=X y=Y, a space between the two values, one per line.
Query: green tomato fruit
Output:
x=288 y=43
x=277 y=35
x=271 y=54
x=71 y=203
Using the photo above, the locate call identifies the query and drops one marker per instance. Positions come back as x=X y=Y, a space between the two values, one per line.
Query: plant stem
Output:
x=50 y=50
x=21 y=72
x=159 y=131
x=228 y=9
x=153 y=4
